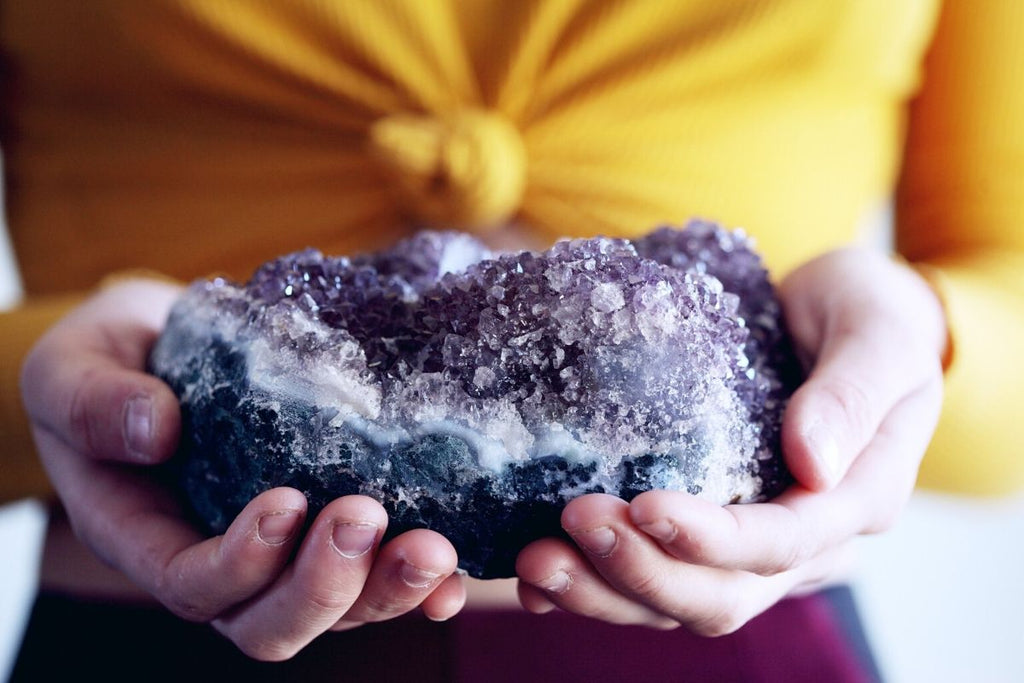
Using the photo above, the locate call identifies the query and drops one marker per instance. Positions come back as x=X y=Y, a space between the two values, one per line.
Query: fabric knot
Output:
x=465 y=170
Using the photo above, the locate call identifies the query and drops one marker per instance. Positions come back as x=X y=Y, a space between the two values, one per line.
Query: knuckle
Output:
x=176 y=595
x=723 y=617
x=329 y=600
x=787 y=557
x=381 y=607
x=80 y=417
x=885 y=518
x=698 y=547
x=188 y=609
x=719 y=624
x=853 y=401
x=648 y=586
x=724 y=627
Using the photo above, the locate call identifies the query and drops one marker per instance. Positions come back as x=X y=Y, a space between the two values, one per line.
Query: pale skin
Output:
x=871 y=330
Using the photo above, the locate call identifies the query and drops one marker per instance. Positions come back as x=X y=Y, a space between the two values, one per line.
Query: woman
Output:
x=188 y=137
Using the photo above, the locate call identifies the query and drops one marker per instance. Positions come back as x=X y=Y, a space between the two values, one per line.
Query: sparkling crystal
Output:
x=474 y=393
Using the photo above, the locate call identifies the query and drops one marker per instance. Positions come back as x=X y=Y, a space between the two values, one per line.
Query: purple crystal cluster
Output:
x=475 y=394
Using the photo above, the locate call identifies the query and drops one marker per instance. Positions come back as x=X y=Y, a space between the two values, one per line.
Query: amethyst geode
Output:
x=476 y=394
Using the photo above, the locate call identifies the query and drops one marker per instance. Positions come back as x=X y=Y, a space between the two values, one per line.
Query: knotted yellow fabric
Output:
x=566 y=118
x=466 y=169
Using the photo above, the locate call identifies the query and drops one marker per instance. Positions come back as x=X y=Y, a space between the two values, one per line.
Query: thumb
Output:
x=84 y=383
x=870 y=325
x=100 y=409
x=860 y=376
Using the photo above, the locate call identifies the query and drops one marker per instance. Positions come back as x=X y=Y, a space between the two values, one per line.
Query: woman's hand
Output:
x=873 y=333
x=99 y=420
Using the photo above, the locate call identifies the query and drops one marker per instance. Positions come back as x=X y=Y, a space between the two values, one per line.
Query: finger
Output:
x=407 y=570
x=85 y=383
x=835 y=413
x=139 y=528
x=552 y=572
x=874 y=340
x=205 y=579
x=533 y=599
x=321 y=585
x=447 y=600
x=105 y=412
x=774 y=537
x=709 y=601
x=765 y=539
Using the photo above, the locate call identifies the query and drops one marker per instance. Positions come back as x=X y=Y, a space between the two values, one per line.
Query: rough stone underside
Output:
x=475 y=394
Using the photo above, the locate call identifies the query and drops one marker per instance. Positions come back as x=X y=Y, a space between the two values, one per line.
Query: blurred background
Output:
x=941 y=594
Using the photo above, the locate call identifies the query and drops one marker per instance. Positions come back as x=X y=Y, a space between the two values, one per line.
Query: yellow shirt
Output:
x=194 y=137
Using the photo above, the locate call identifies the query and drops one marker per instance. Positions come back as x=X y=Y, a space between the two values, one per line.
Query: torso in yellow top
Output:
x=191 y=136
x=194 y=136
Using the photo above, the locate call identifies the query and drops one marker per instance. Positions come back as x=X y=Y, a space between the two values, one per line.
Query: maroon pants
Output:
x=815 y=638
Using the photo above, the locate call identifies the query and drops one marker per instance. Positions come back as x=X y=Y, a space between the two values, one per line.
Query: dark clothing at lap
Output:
x=813 y=638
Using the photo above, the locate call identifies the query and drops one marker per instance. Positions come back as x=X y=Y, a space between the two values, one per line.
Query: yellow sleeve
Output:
x=960 y=212
x=21 y=474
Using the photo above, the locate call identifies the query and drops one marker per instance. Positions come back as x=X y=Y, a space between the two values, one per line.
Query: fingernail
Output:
x=138 y=427
x=558 y=582
x=276 y=528
x=826 y=450
x=353 y=540
x=414 y=577
x=661 y=530
x=600 y=541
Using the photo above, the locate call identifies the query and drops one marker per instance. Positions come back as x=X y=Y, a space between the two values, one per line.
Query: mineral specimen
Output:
x=475 y=394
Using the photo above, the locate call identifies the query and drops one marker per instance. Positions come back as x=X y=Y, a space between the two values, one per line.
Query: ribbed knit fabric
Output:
x=194 y=137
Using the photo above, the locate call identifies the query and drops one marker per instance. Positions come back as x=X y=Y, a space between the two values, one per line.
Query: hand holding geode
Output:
x=476 y=395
